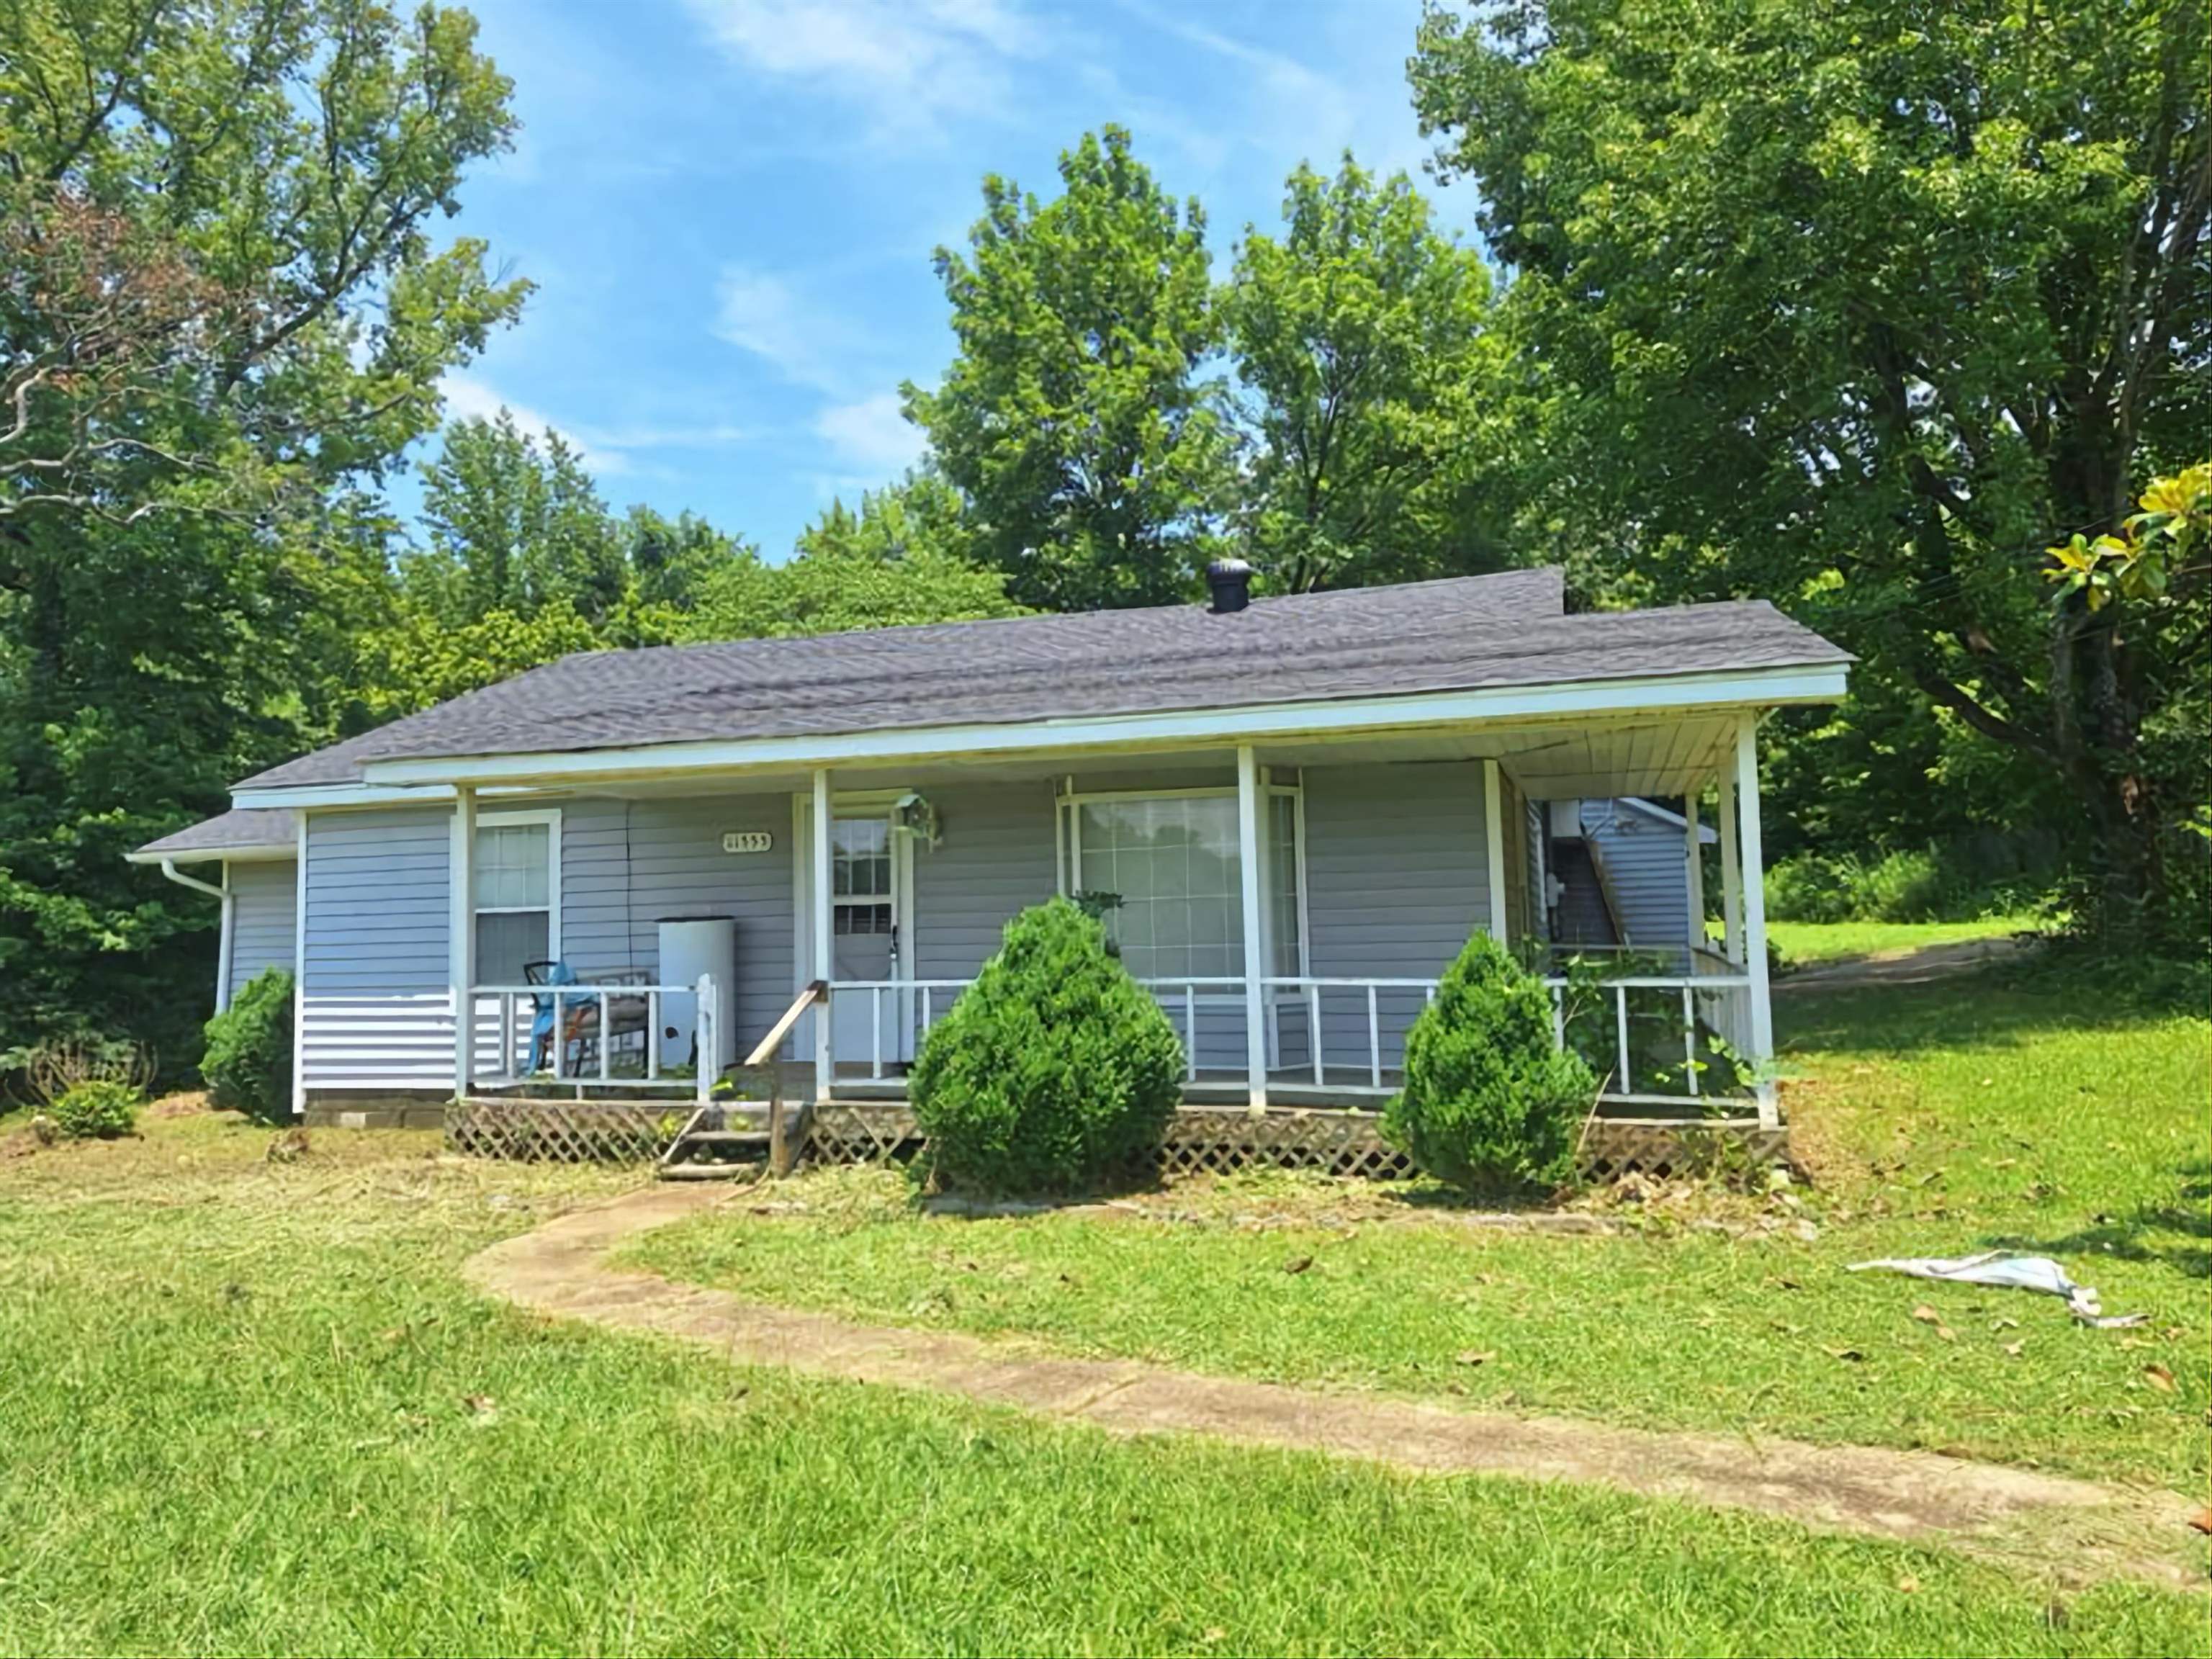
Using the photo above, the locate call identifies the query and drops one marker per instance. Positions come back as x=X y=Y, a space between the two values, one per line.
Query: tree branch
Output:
x=1984 y=720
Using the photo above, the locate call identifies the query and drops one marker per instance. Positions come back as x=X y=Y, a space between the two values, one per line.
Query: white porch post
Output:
x=1731 y=878
x=824 y=943
x=1493 y=843
x=1755 y=908
x=1248 y=862
x=300 y=964
x=227 y=947
x=1695 y=852
x=461 y=925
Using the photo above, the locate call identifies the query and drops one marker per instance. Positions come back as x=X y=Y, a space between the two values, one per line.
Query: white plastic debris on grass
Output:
x=2008 y=1273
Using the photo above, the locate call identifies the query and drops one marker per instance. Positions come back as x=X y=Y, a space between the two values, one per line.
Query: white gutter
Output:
x=238 y=854
x=229 y=913
x=417 y=778
x=169 y=869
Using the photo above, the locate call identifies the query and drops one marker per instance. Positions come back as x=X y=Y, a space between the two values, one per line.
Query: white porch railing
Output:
x=1346 y=1035
x=1308 y=1015
x=1711 y=1001
x=590 y=1020
x=896 y=1007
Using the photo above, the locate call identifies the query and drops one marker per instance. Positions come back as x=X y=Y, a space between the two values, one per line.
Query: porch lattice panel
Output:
x=1616 y=1147
x=1199 y=1139
x=1203 y=1141
x=859 y=1132
x=563 y=1131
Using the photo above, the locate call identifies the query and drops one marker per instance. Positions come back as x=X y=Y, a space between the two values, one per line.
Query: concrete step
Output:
x=724 y=1138
x=700 y=1171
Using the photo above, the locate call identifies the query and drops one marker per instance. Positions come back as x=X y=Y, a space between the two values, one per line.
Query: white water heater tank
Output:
x=692 y=947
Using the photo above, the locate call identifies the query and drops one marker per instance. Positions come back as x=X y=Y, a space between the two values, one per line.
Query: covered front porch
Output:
x=1292 y=904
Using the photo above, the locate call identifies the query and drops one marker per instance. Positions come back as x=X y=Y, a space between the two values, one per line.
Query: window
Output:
x=1171 y=863
x=861 y=875
x=1282 y=885
x=514 y=885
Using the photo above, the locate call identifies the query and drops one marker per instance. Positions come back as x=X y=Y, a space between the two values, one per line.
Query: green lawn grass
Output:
x=1825 y=941
x=1941 y=1120
x=249 y=1407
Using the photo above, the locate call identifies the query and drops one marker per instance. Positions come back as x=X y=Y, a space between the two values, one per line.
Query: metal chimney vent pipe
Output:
x=1231 y=582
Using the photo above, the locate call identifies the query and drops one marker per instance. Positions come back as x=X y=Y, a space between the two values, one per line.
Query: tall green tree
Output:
x=417 y=660
x=671 y=561
x=905 y=557
x=1075 y=419
x=515 y=525
x=1861 y=307
x=1366 y=372
x=222 y=311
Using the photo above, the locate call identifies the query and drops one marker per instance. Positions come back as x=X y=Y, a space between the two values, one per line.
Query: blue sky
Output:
x=729 y=206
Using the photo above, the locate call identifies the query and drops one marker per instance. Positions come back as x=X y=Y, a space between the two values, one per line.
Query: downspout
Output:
x=229 y=910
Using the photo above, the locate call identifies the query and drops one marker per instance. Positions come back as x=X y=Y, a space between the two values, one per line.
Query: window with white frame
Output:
x=514 y=891
x=1283 y=932
x=1170 y=870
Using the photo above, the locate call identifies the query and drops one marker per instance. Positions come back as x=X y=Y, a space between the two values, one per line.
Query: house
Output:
x=1293 y=812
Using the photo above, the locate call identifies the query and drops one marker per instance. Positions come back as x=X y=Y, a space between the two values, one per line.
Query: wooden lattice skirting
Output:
x=1202 y=1140
x=859 y=1132
x=1657 y=1147
x=1205 y=1141
x=1199 y=1139
x=565 y=1131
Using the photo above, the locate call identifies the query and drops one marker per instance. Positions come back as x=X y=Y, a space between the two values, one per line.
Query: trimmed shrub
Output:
x=1490 y=1105
x=248 y=1062
x=99 y=1108
x=1055 y=1069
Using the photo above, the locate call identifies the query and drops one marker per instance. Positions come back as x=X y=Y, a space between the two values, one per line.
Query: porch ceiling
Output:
x=1658 y=755
x=1661 y=757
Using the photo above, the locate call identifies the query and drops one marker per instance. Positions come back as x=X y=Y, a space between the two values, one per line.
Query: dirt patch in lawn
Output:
x=2071 y=1530
x=1916 y=965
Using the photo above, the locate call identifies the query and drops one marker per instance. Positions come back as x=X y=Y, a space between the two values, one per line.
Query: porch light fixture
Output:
x=913 y=815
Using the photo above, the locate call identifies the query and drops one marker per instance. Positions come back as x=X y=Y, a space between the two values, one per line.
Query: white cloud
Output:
x=757 y=311
x=606 y=452
x=871 y=435
x=905 y=63
x=807 y=343
x=469 y=399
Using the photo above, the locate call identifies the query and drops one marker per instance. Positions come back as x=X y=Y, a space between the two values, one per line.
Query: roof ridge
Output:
x=1263 y=604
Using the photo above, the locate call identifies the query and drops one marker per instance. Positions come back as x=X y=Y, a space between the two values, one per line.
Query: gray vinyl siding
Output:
x=995 y=860
x=264 y=914
x=626 y=865
x=1395 y=871
x=1396 y=876
x=1645 y=858
x=375 y=1006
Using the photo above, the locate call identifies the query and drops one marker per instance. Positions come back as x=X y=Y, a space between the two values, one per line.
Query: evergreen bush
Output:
x=248 y=1062
x=1053 y=1070
x=1490 y=1103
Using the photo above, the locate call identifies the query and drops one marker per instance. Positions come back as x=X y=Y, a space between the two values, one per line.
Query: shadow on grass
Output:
x=1997 y=1007
x=2176 y=1233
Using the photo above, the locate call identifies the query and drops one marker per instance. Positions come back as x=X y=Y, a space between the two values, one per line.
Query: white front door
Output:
x=867 y=907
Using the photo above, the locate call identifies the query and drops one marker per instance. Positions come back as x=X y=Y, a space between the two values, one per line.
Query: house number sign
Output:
x=748 y=840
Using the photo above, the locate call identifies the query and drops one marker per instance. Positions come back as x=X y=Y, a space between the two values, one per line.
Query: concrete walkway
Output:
x=2072 y=1528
